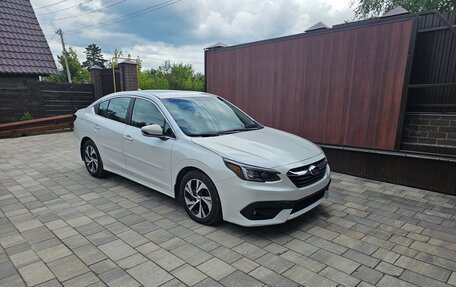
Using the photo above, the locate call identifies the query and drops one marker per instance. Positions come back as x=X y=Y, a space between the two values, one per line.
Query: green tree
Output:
x=78 y=73
x=115 y=58
x=374 y=8
x=93 y=57
x=172 y=76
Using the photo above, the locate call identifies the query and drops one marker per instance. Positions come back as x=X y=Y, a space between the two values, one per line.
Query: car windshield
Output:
x=208 y=116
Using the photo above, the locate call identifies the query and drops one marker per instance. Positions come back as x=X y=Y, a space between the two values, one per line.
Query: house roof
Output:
x=23 y=47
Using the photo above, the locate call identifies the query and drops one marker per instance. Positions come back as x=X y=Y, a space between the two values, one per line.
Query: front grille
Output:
x=308 y=174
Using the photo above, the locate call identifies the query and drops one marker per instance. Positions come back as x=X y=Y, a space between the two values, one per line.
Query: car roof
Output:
x=166 y=94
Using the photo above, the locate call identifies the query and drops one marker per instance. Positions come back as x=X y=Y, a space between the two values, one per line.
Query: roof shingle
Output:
x=23 y=47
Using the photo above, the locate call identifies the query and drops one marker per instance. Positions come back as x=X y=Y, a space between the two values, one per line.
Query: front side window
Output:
x=208 y=116
x=146 y=113
x=102 y=108
x=117 y=109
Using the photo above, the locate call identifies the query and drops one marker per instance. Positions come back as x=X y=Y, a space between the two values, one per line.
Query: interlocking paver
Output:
x=335 y=261
x=117 y=249
x=149 y=274
x=238 y=279
x=421 y=280
x=75 y=230
x=271 y=278
x=389 y=269
x=14 y=280
x=24 y=258
x=165 y=260
x=340 y=277
x=36 y=273
x=423 y=268
x=68 y=267
x=452 y=279
x=361 y=258
x=275 y=263
x=188 y=274
x=216 y=268
x=54 y=253
x=367 y=274
x=191 y=254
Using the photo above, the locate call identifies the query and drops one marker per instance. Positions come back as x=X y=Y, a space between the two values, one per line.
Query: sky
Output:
x=178 y=30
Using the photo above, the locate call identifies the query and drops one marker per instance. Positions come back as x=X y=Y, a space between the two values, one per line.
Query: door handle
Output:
x=128 y=138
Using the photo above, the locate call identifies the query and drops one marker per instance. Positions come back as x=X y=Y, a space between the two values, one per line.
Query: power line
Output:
x=85 y=13
x=125 y=17
x=56 y=3
x=67 y=8
x=52 y=37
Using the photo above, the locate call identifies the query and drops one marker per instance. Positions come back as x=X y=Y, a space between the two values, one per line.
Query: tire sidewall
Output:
x=215 y=215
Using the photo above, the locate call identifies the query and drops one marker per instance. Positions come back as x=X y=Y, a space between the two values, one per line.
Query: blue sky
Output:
x=180 y=31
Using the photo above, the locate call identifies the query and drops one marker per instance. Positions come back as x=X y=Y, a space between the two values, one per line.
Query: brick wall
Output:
x=128 y=76
x=430 y=130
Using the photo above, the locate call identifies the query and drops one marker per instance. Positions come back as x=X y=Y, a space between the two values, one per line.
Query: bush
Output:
x=25 y=116
x=175 y=77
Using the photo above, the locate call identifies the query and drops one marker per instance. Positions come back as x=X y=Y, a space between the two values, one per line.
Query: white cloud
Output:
x=198 y=24
x=153 y=54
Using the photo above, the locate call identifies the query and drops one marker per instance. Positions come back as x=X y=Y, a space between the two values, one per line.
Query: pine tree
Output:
x=93 y=57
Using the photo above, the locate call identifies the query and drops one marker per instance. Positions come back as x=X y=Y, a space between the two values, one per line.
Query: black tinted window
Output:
x=145 y=113
x=102 y=108
x=117 y=109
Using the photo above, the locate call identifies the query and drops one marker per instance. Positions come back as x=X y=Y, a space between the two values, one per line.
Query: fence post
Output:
x=95 y=74
x=128 y=75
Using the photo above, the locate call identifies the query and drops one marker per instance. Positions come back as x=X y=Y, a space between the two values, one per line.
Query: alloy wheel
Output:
x=91 y=159
x=198 y=198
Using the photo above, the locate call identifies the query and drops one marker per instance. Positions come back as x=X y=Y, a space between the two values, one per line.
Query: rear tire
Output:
x=200 y=198
x=92 y=159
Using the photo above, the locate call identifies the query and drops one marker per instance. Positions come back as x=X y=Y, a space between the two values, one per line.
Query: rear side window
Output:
x=117 y=109
x=102 y=108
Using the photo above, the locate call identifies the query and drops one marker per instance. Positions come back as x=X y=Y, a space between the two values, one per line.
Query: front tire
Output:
x=200 y=198
x=92 y=159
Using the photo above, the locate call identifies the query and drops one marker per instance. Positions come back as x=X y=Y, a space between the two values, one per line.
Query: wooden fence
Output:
x=42 y=99
x=432 y=85
x=341 y=86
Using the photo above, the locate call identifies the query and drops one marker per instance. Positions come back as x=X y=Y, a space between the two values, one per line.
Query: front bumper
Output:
x=257 y=204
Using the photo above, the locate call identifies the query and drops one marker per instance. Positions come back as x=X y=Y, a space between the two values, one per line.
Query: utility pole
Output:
x=60 y=32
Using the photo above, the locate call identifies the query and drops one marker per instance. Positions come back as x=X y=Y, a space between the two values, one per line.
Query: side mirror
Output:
x=152 y=130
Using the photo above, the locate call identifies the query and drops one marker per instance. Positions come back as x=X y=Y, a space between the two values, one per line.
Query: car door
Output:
x=110 y=127
x=148 y=158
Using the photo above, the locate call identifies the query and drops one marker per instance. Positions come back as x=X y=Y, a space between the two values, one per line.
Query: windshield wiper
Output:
x=205 y=135
x=241 y=130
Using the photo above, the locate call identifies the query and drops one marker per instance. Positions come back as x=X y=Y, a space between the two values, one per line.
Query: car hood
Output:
x=265 y=147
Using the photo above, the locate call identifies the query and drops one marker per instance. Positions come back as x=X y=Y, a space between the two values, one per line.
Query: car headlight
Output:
x=252 y=173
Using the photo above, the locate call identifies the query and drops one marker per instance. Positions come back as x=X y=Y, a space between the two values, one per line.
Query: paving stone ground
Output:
x=59 y=226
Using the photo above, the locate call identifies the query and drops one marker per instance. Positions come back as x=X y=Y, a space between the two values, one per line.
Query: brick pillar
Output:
x=128 y=75
x=95 y=74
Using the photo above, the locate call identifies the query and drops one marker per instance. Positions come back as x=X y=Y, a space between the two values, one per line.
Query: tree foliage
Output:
x=172 y=76
x=79 y=74
x=115 y=59
x=374 y=8
x=93 y=57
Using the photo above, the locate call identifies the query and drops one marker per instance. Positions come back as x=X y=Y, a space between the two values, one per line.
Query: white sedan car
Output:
x=201 y=149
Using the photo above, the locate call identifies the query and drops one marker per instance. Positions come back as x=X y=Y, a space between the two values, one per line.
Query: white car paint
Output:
x=156 y=163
